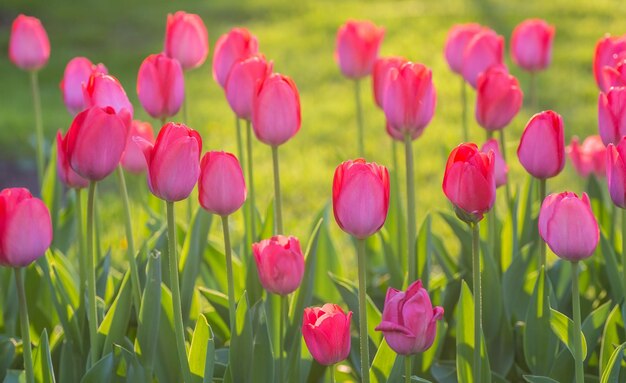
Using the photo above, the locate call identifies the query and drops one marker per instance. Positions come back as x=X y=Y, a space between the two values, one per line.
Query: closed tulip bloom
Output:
x=541 y=149
x=380 y=73
x=485 y=49
x=498 y=98
x=25 y=228
x=410 y=99
x=588 y=158
x=276 y=110
x=133 y=159
x=160 y=86
x=221 y=186
x=614 y=76
x=568 y=226
x=616 y=172
x=67 y=175
x=238 y=44
x=29 y=47
x=77 y=73
x=280 y=264
x=244 y=79
x=104 y=90
x=409 y=321
x=612 y=115
x=610 y=50
x=501 y=169
x=531 y=44
x=186 y=39
x=357 y=46
x=469 y=181
x=326 y=332
x=458 y=38
x=360 y=197
x=173 y=161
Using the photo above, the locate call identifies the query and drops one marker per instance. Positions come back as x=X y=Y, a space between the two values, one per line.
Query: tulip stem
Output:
x=281 y=336
x=408 y=368
x=363 y=336
x=503 y=150
x=34 y=84
x=251 y=203
x=464 y=110
x=395 y=185
x=542 y=243
x=578 y=352
x=91 y=277
x=25 y=325
x=239 y=139
x=332 y=373
x=175 y=288
x=533 y=91
x=359 y=118
x=478 y=310
x=81 y=243
x=277 y=199
x=410 y=196
x=623 y=247
x=229 y=275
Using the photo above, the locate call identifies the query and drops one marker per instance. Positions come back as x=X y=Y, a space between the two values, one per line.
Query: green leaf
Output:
x=113 y=328
x=167 y=369
x=614 y=365
x=515 y=284
x=191 y=256
x=218 y=318
x=101 y=372
x=492 y=294
x=424 y=250
x=241 y=344
x=150 y=314
x=7 y=352
x=383 y=363
x=42 y=362
x=51 y=191
x=202 y=352
x=613 y=332
x=611 y=269
x=263 y=360
x=396 y=277
x=538 y=379
x=465 y=341
x=563 y=328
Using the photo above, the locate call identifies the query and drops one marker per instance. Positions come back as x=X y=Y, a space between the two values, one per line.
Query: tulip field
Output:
x=269 y=191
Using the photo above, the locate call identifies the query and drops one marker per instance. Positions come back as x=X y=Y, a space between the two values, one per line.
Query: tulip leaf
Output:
x=101 y=372
x=325 y=258
x=42 y=361
x=518 y=285
x=563 y=328
x=150 y=313
x=611 y=269
x=492 y=294
x=263 y=360
x=7 y=352
x=167 y=369
x=424 y=251
x=613 y=332
x=113 y=328
x=383 y=364
x=202 y=351
x=462 y=232
x=51 y=193
x=218 y=317
x=241 y=344
x=613 y=368
x=396 y=275
x=465 y=341
x=539 y=379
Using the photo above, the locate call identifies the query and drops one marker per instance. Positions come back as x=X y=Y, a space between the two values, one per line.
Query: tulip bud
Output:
x=484 y=50
x=358 y=43
x=501 y=169
x=103 y=91
x=588 y=158
x=67 y=175
x=133 y=159
x=280 y=264
x=541 y=149
x=614 y=77
x=186 y=39
x=77 y=73
x=380 y=74
x=221 y=186
x=612 y=115
x=25 y=228
x=160 y=86
x=173 y=161
x=276 y=110
x=326 y=332
x=498 y=98
x=410 y=99
x=234 y=46
x=29 y=47
x=243 y=81
x=409 y=321
x=616 y=172
x=531 y=45
x=458 y=38
x=610 y=50
x=469 y=181
x=568 y=226
x=360 y=197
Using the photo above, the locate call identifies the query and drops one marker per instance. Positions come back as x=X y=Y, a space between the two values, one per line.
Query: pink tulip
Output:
x=458 y=38
x=236 y=45
x=133 y=159
x=276 y=110
x=610 y=50
x=280 y=264
x=409 y=101
x=173 y=161
x=160 y=86
x=77 y=73
x=485 y=49
x=380 y=74
x=25 y=228
x=221 y=186
x=614 y=76
x=95 y=142
x=360 y=197
x=358 y=43
x=541 y=150
x=498 y=98
x=588 y=158
x=568 y=226
x=69 y=177
x=104 y=90
x=501 y=169
x=616 y=172
x=612 y=115
x=29 y=47
x=326 y=332
x=244 y=79
x=531 y=45
x=409 y=321
x=469 y=181
x=186 y=39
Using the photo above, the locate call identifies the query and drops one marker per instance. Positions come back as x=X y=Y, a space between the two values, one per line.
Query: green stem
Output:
x=239 y=139
x=28 y=354
x=363 y=336
x=82 y=270
x=503 y=151
x=578 y=352
x=613 y=223
x=478 y=310
x=92 y=315
x=163 y=121
x=533 y=91
x=396 y=191
x=277 y=197
x=332 y=373
x=186 y=121
x=407 y=368
x=251 y=203
x=229 y=274
x=359 y=118
x=542 y=243
x=410 y=196
x=464 y=110
x=281 y=336
x=134 y=273
x=623 y=248
x=34 y=86
x=492 y=221
x=175 y=287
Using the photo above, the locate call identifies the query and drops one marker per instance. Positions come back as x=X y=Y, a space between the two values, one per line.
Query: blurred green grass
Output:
x=299 y=36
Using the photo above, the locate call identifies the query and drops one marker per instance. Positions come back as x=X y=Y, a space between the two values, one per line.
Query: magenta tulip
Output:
x=77 y=73
x=133 y=159
x=498 y=98
x=243 y=81
x=612 y=115
x=616 y=172
x=104 y=90
x=531 y=45
x=610 y=50
x=357 y=46
x=280 y=264
x=501 y=169
x=614 y=76
x=186 y=39
x=380 y=74
x=326 y=332
x=236 y=45
x=485 y=49
x=221 y=186
x=160 y=86
x=541 y=150
x=276 y=110
x=458 y=38
x=67 y=175
x=29 y=47
x=588 y=158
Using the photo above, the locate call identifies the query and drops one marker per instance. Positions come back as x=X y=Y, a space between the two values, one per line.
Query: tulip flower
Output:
x=244 y=78
x=326 y=332
x=531 y=45
x=616 y=172
x=160 y=86
x=280 y=264
x=483 y=51
x=221 y=186
x=501 y=169
x=77 y=73
x=614 y=76
x=380 y=74
x=610 y=50
x=612 y=115
x=588 y=158
x=29 y=47
x=236 y=45
x=458 y=38
x=133 y=159
x=358 y=43
x=186 y=39
x=276 y=110
x=499 y=98
x=104 y=90
x=67 y=175
x=541 y=150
